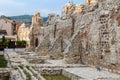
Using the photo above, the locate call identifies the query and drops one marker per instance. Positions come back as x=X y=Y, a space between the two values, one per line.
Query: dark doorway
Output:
x=36 y=42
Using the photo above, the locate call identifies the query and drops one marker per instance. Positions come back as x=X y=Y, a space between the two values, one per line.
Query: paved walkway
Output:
x=92 y=74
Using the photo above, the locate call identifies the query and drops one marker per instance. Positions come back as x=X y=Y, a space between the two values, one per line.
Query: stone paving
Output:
x=15 y=75
x=85 y=72
x=72 y=70
x=92 y=74
x=88 y=73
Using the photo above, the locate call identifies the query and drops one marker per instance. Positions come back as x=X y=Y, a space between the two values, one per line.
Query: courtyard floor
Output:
x=88 y=73
x=82 y=71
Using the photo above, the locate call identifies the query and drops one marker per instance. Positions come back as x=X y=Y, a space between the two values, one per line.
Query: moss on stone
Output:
x=56 y=77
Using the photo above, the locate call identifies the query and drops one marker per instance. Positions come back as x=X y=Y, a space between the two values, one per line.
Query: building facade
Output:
x=23 y=33
x=8 y=28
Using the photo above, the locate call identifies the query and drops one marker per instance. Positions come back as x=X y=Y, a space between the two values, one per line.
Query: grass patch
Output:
x=2 y=62
x=56 y=77
x=25 y=72
x=21 y=66
x=28 y=67
x=27 y=75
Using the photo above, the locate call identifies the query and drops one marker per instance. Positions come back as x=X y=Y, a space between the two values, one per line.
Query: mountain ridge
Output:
x=25 y=18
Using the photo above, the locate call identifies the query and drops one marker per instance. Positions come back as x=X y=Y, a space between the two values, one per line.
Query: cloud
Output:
x=10 y=7
x=45 y=11
x=10 y=2
x=2 y=13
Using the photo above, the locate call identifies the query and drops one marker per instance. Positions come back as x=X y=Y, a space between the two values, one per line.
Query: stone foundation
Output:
x=48 y=71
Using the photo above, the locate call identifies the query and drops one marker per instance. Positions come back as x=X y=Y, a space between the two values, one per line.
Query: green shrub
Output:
x=3 y=41
x=21 y=43
x=24 y=43
x=18 y=43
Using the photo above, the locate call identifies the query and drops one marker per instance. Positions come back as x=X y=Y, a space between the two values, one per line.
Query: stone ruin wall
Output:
x=35 y=31
x=99 y=39
x=90 y=36
x=57 y=31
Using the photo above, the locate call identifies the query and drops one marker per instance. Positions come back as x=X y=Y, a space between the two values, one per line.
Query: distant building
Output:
x=18 y=24
x=23 y=32
x=8 y=28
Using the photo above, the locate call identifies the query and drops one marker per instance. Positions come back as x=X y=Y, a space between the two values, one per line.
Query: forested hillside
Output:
x=25 y=18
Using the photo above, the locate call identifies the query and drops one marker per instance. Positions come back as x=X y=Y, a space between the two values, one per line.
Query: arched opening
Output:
x=36 y=42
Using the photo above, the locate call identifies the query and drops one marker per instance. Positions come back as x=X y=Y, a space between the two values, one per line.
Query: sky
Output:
x=22 y=7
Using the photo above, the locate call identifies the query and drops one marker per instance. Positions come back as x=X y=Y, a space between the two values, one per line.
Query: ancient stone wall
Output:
x=87 y=34
x=35 y=31
x=98 y=32
x=37 y=19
